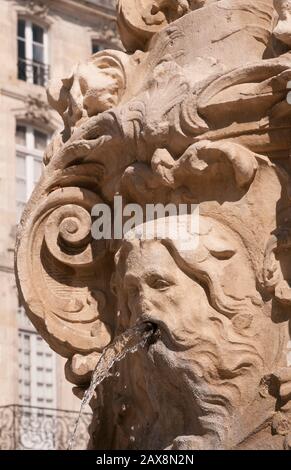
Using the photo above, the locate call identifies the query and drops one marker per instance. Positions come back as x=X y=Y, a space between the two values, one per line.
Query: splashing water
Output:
x=126 y=343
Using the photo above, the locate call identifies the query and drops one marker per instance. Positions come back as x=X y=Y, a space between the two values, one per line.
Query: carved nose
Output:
x=148 y=312
x=145 y=307
x=143 y=303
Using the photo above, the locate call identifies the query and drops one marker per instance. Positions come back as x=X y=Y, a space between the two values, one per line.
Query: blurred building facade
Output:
x=39 y=40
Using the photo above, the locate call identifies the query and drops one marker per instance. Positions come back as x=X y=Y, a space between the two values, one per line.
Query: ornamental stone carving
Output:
x=194 y=112
x=36 y=8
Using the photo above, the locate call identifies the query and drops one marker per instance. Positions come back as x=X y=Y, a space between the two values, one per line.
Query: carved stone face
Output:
x=156 y=283
x=156 y=287
x=214 y=344
x=93 y=87
x=159 y=291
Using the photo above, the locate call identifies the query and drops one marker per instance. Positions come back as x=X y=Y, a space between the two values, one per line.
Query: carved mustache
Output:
x=171 y=339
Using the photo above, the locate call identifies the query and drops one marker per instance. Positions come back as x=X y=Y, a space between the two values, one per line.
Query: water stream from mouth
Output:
x=126 y=343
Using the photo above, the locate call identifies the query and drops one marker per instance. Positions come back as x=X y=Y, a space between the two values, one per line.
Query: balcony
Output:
x=33 y=72
x=33 y=428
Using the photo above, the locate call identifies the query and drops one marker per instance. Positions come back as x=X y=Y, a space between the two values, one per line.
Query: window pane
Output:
x=37 y=169
x=37 y=33
x=21 y=135
x=20 y=167
x=45 y=376
x=21 y=49
x=38 y=55
x=39 y=75
x=21 y=74
x=21 y=60
x=20 y=190
x=40 y=140
x=31 y=371
x=21 y=29
x=24 y=371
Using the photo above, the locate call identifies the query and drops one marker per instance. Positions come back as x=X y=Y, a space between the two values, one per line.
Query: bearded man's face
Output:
x=158 y=291
x=201 y=355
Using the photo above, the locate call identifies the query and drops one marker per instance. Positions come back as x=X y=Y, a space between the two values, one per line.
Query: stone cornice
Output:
x=13 y=92
x=104 y=12
x=33 y=108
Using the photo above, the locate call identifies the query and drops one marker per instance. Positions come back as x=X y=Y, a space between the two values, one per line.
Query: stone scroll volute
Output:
x=195 y=111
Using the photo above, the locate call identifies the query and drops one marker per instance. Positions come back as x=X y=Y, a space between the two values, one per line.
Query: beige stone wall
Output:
x=71 y=27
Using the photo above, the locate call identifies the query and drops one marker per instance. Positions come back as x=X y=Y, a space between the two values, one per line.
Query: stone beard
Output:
x=194 y=112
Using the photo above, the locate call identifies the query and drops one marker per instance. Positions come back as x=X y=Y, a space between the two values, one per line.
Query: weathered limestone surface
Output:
x=195 y=112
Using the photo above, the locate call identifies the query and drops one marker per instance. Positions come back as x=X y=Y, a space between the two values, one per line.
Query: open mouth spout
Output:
x=160 y=331
x=151 y=330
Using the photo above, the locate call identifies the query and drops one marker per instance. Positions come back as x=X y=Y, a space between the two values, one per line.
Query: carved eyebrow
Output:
x=223 y=254
x=219 y=248
x=130 y=278
x=159 y=274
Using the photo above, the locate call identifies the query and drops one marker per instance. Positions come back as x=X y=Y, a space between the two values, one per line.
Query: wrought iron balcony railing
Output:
x=33 y=428
x=33 y=72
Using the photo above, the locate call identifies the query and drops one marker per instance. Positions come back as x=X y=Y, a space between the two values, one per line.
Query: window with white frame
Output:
x=37 y=368
x=32 y=46
x=30 y=145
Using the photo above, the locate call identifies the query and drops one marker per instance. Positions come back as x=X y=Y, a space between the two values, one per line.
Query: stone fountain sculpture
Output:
x=195 y=111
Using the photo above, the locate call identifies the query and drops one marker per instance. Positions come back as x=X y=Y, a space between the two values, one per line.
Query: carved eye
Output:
x=159 y=284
